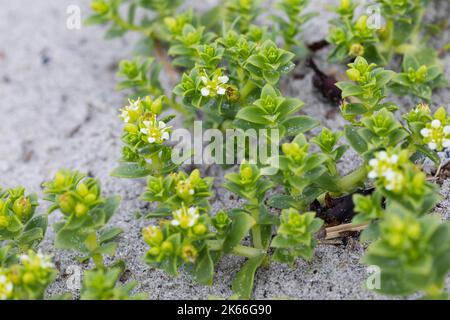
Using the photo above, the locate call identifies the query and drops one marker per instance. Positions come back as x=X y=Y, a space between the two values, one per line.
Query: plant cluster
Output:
x=400 y=33
x=25 y=272
x=228 y=74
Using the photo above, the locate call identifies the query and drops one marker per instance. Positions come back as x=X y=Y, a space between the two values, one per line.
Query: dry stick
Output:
x=337 y=231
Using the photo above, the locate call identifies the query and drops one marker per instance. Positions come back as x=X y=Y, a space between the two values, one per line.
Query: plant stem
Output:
x=256 y=229
x=349 y=182
x=247 y=89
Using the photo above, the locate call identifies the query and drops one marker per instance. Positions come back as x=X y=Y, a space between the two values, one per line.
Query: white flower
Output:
x=436 y=124
x=223 y=79
x=221 y=91
x=185 y=187
x=432 y=145
x=156 y=131
x=185 y=218
x=385 y=167
x=425 y=132
x=205 y=91
x=130 y=112
x=215 y=86
x=36 y=260
x=446 y=143
x=372 y=175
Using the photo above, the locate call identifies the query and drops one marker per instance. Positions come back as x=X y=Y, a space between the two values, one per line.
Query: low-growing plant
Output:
x=401 y=34
x=229 y=77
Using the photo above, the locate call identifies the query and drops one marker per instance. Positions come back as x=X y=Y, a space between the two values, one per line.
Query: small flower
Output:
x=185 y=218
x=214 y=87
x=436 y=135
x=6 y=287
x=184 y=188
x=131 y=112
x=384 y=167
x=155 y=131
x=36 y=261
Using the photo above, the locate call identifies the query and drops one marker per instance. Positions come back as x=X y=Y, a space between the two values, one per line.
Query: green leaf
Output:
x=252 y=114
x=131 y=171
x=30 y=236
x=241 y=224
x=355 y=140
x=204 y=268
x=299 y=124
x=281 y=201
x=349 y=89
x=110 y=207
x=383 y=77
x=243 y=282
x=109 y=234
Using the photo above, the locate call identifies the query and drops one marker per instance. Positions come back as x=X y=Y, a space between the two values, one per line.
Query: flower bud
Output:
x=82 y=190
x=413 y=230
x=246 y=173
x=353 y=74
x=232 y=93
x=100 y=6
x=345 y=4
x=221 y=220
x=60 y=180
x=189 y=253
x=131 y=128
x=80 y=210
x=200 y=229
x=22 y=208
x=129 y=68
x=361 y=23
x=28 y=278
x=167 y=247
x=356 y=49
x=157 y=106
x=154 y=251
x=152 y=235
x=66 y=203
x=421 y=73
x=4 y=221
x=90 y=198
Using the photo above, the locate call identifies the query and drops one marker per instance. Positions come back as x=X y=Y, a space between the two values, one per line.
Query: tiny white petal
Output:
x=151 y=139
x=435 y=123
x=144 y=130
x=161 y=125
x=204 y=79
x=205 y=92
x=382 y=155
x=372 y=175
x=165 y=136
x=425 y=132
x=221 y=90
x=191 y=191
x=394 y=158
x=446 y=143
x=447 y=130
x=175 y=223
x=223 y=79
x=373 y=162
x=432 y=145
